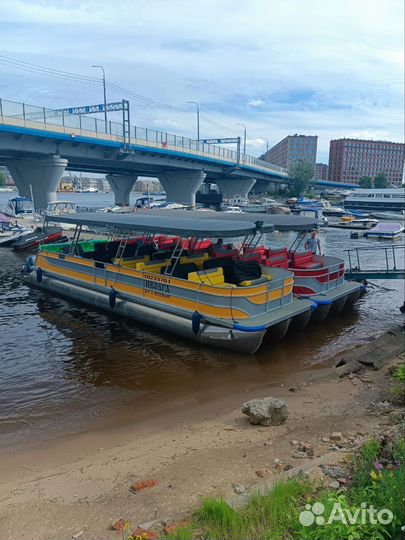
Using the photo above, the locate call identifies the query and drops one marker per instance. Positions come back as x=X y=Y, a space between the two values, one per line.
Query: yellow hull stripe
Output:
x=256 y=295
x=131 y=290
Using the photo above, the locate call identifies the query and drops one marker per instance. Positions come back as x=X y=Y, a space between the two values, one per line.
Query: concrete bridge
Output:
x=38 y=145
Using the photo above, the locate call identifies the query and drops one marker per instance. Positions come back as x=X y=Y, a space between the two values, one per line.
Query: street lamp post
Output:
x=244 y=137
x=105 y=96
x=198 y=117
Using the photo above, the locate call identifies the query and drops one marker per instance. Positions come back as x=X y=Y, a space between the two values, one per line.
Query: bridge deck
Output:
x=39 y=122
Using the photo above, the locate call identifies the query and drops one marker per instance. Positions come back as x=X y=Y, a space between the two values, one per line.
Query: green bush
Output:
x=400 y=373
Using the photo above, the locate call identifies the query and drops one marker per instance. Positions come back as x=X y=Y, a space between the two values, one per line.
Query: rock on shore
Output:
x=269 y=411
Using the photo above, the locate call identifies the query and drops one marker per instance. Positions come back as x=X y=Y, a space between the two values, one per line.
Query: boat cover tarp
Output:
x=278 y=221
x=169 y=223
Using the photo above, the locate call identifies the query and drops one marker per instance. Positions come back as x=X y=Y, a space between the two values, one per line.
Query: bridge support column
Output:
x=38 y=178
x=229 y=187
x=181 y=187
x=121 y=184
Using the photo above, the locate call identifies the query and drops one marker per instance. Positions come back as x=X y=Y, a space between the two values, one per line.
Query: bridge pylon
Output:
x=229 y=187
x=38 y=178
x=182 y=186
x=121 y=184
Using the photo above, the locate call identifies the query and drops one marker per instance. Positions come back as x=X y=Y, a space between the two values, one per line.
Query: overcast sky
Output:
x=326 y=68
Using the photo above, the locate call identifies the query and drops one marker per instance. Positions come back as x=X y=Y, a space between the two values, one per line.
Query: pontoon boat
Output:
x=170 y=273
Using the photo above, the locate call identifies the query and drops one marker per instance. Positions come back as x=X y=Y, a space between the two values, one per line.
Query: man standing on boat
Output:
x=313 y=243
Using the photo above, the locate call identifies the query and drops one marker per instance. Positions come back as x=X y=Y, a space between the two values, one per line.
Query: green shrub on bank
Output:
x=378 y=480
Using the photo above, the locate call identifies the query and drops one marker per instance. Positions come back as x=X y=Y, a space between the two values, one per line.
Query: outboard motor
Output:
x=29 y=265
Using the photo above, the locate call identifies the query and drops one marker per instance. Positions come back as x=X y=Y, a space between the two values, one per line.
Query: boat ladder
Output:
x=174 y=257
x=121 y=247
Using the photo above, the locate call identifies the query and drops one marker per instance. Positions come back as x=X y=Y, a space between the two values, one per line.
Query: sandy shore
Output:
x=81 y=483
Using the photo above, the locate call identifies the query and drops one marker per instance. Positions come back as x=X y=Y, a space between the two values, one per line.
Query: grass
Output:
x=181 y=533
x=364 y=462
x=378 y=479
x=266 y=517
x=398 y=390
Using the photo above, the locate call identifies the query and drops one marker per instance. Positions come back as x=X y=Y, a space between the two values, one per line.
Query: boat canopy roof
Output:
x=20 y=199
x=279 y=222
x=169 y=223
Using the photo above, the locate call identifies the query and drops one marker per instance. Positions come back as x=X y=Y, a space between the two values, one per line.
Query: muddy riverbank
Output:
x=81 y=482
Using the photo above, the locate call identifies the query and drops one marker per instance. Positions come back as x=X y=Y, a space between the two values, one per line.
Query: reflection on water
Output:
x=63 y=364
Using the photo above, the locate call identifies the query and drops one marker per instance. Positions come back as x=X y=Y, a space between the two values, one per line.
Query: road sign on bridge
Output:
x=91 y=109
x=226 y=140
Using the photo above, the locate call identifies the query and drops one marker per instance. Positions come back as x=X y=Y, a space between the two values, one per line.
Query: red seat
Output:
x=304 y=261
x=231 y=253
x=257 y=249
x=168 y=243
x=277 y=261
x=200 y=247
x=309 y=266
x=278 y=251
x=250 y=257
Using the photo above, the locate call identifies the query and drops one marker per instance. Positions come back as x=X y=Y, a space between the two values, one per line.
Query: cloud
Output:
x=256 y=103
x=312 y=67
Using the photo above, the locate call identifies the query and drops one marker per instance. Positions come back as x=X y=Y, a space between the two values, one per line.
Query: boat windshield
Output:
x=61 y=207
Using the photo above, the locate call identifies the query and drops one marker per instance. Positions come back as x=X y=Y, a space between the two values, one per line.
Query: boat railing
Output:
x=330 y=276
x=388 y=257
x=262 y=297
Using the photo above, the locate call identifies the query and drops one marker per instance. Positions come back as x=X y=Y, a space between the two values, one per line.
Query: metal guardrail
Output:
x=31 y=115
x=390 y=255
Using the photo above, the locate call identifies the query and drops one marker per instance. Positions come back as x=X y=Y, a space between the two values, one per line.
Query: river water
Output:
x=65 y=367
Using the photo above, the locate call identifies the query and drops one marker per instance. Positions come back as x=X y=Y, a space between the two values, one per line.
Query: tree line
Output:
x=302 y=172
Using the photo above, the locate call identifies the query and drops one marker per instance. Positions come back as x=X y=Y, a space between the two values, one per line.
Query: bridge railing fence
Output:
x=29 y=114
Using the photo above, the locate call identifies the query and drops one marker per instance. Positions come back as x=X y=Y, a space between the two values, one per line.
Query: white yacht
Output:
x=377 y=200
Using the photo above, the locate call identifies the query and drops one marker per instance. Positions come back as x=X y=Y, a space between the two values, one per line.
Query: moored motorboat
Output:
x=327 y=208
x=18 y=206
x=312 y=212
x=58 y=208
x=277 y=208
x=37 y=237
x=350 y=222
x=387 y=231
x=232 y=210
x=9 y=237
x=392 y=216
